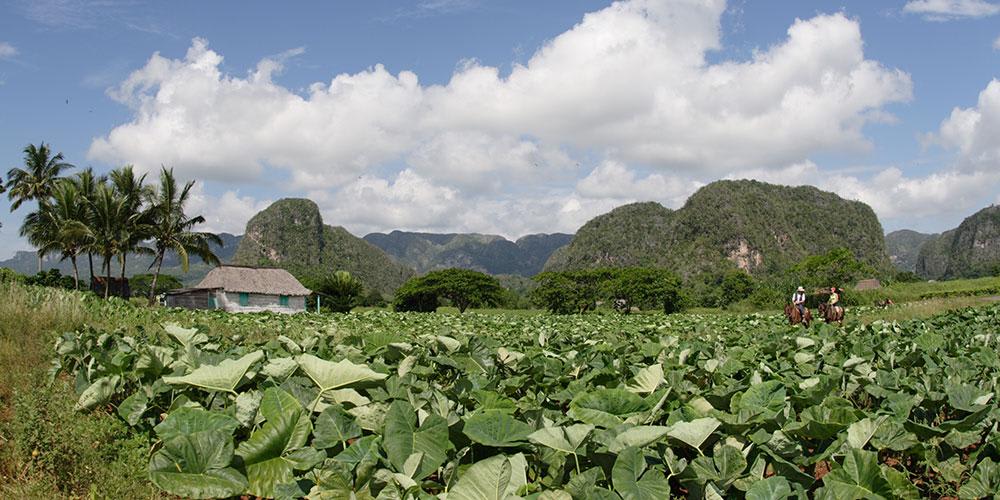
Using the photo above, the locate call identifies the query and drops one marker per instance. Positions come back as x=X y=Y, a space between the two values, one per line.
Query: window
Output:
x=211 y=300
x=283 y=300
x=244 y=299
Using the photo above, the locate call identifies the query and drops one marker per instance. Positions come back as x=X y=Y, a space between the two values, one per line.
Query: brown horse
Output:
x=794 y=318
x=831 y=314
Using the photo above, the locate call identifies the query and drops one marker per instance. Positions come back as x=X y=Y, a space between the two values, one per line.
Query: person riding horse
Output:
x=835 y=299
x=799 y=300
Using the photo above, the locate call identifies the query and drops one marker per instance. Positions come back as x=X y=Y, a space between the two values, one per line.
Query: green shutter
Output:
x=244 y=299
x=211 y=301
x=283 y=300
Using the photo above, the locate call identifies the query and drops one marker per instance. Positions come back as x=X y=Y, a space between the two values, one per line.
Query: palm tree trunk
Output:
x=107 y=279
x=156 y=274
x=124 y=256
x=39 y=261
x=90 y=258
x=76 y=272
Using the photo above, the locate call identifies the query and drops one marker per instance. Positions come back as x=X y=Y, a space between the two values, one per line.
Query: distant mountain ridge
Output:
x=290 y=234
x=761 y=228
x=970 y=250
x=486 y=253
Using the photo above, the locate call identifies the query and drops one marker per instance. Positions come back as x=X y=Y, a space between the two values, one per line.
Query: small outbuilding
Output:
x=243 y=289
x=871 y=284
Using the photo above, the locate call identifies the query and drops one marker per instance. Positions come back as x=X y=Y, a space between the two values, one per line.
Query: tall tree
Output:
x=135 y=221
x=66 y=218
x=171 y=228
x=36 y=180
x=107 y=217
x=86 y=183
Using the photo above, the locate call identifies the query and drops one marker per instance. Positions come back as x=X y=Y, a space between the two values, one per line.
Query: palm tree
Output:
x=86 y=183
x=37 y=180
x=107 y=215
x=171 y=227
x=66 y=216
x=135 y=225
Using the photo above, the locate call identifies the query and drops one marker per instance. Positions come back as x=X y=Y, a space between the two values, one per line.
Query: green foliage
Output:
x=340 y=291
x=291 y=234
x=140 y=284
x=463 y=287
x=51 y=278
x=10 y=276
x=761 y=227
x=736 y=285
x=643 y=288
x=968 y=251
x=838 y=267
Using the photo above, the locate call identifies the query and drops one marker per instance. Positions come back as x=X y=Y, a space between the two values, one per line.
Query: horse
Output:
x=831 y=314
x=884 y=304
x=794 y=318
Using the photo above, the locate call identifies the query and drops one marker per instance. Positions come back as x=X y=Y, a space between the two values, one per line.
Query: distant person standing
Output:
x=799 y=300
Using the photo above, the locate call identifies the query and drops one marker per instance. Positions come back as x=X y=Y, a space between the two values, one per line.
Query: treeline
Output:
x=104 y=218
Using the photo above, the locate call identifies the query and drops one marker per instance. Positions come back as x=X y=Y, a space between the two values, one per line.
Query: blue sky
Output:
x=511 y=117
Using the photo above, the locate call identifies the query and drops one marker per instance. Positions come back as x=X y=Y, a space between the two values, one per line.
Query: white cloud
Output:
x=890 y=192
x=973 y=132
x=613 y=180
x=7 y=51
x=943 y=10
x=996 y=44
x=630 y=81
x=227 y=213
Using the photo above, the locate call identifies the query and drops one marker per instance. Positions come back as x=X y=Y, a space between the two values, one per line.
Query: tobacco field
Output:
x=394 y=406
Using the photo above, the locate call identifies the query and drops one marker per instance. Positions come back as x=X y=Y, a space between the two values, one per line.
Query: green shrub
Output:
x=141 y=283
x=463 y=288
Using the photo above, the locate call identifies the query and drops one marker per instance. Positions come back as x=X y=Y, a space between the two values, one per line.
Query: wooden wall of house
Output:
x=197 y=299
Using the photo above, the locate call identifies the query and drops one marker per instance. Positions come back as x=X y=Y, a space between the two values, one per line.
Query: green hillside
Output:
x=969 y=251
x=486 y=253
x=762 y=228
x=290 y=234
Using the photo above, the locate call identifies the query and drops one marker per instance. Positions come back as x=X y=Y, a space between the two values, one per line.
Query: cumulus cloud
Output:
x=612 y=179
x=944 y=10
x=227 y=213
x=973 y=132
x=631 y=79
x=889 y=191
x=7 y=51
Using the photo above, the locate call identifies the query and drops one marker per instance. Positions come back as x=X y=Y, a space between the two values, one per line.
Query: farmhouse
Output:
x=871 y=284
x=243 y=289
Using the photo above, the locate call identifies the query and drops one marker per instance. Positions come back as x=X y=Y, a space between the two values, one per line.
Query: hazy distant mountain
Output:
x=762 y=228
x=904 y=248
x=487 y=253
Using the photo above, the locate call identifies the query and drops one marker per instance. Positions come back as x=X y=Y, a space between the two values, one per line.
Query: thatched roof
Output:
x=264 y=280
x=871 y=284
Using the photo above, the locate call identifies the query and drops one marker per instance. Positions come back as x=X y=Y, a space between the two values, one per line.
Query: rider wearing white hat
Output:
x=799 y=300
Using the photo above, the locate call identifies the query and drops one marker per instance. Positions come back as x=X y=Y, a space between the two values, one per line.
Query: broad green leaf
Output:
x=607 y=407
x=496 y=428
x=629 y=481
x=484 y=480
x=197 y=465
x=247 y=404
x=450 y=344
x=402 y=438
x=638 y=437
x=968 y=397
x=280 y=368
x=187 y=337
x=900 y=483
x=221 y=377
x=133 y=407
x=97 y=393
x=859 y=478
x=365 y=448
x=984 y=483
x=860 y=432
x=772 y=488
x=695 y=432
x=767 y=398
x=184 y=421
x=272 y=453
x=564 y=439
x=334 y=427
x=647 y=380
x=329 y=375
